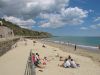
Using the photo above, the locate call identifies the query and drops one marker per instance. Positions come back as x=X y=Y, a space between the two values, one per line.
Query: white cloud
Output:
x=74 y=15
x=68 y=16
x=22 y=12
x=83 y=28
x=91 y=11
x=22 y=23
x=97 y=19
x=53 y=21
x=95 y=26
x=30 y=8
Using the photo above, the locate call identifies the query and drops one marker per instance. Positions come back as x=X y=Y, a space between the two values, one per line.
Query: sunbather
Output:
x=43 y=46
x=33 y=60
x=69 y=57
x=44 y=61
x=67 y=63
x=61 y=58
x=73 y=64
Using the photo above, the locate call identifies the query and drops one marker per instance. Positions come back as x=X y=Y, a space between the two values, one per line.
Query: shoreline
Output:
x=93 y=54
x=78 y=40
x=89 y=47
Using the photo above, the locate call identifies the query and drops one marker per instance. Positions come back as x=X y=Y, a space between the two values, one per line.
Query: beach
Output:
x=93 y=53
x=14 y=62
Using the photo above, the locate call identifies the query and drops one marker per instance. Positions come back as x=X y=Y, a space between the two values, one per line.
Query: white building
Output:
x=5 y=32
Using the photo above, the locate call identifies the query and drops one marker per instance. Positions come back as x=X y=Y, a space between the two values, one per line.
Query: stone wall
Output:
x=5 y=46
x=6 y=32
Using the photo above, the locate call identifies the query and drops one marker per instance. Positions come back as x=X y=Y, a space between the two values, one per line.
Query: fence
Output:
x=30 y=67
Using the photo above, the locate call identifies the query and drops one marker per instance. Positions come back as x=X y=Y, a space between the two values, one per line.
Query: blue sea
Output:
x=79 y=40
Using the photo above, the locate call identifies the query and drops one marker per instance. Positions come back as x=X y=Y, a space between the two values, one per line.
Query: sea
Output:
x=80 y=41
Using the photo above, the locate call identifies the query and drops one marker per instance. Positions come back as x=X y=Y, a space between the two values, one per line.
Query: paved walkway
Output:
x=14 y=62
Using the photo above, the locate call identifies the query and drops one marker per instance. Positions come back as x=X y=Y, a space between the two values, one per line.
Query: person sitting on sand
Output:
x=61 y=58
x=45 y=61
x=67 y=63
x=34 y=41
x=37 y=58
x=43 y=46
x=33 y=60
x=36 y=61
x=73 y=64
x=69 y=57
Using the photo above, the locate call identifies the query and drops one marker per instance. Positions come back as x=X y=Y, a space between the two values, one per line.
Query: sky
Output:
x=58 y=17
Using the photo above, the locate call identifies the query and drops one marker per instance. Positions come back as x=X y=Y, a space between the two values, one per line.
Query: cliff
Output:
x=24 y=32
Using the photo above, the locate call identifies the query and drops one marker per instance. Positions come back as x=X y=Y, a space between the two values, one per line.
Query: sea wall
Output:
x=6 y=45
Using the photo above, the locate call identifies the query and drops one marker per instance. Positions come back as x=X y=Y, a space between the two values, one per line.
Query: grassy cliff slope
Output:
x=24 y=32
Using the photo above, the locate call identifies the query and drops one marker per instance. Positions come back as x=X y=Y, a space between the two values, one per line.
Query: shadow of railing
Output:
x=30 y=69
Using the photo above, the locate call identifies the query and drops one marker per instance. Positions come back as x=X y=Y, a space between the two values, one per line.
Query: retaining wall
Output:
x=5 y=46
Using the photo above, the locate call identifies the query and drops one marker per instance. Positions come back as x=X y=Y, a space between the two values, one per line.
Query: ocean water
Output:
x=80 y=41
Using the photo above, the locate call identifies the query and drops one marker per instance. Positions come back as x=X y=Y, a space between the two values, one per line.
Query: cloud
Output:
x=68 y=16
x=55 y=13
x=83 y=28
x=95 y=26
x=51 y=20
x=97 y=19
x=30 y=8
x=22 y=23
x=74 y=15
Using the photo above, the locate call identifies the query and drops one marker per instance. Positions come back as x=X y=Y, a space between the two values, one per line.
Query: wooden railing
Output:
x=30 y=67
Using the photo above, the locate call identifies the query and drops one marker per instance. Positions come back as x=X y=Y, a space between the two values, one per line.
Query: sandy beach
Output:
x=14 y=62
x=93 y=54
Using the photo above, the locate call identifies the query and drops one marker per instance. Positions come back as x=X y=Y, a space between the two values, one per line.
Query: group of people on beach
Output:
x=36 y=61
x=40 y=63
x=69 y=62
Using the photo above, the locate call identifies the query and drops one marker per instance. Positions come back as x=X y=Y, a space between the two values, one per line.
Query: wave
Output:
x=71 y=44
x=88 y=47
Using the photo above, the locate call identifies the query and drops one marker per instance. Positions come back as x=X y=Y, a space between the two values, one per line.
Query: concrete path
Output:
x=14 y=62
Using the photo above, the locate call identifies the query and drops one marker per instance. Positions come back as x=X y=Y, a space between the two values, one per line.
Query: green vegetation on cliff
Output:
x=24 y=32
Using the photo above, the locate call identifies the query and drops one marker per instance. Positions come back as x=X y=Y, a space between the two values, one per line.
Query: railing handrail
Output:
x=30 y=70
